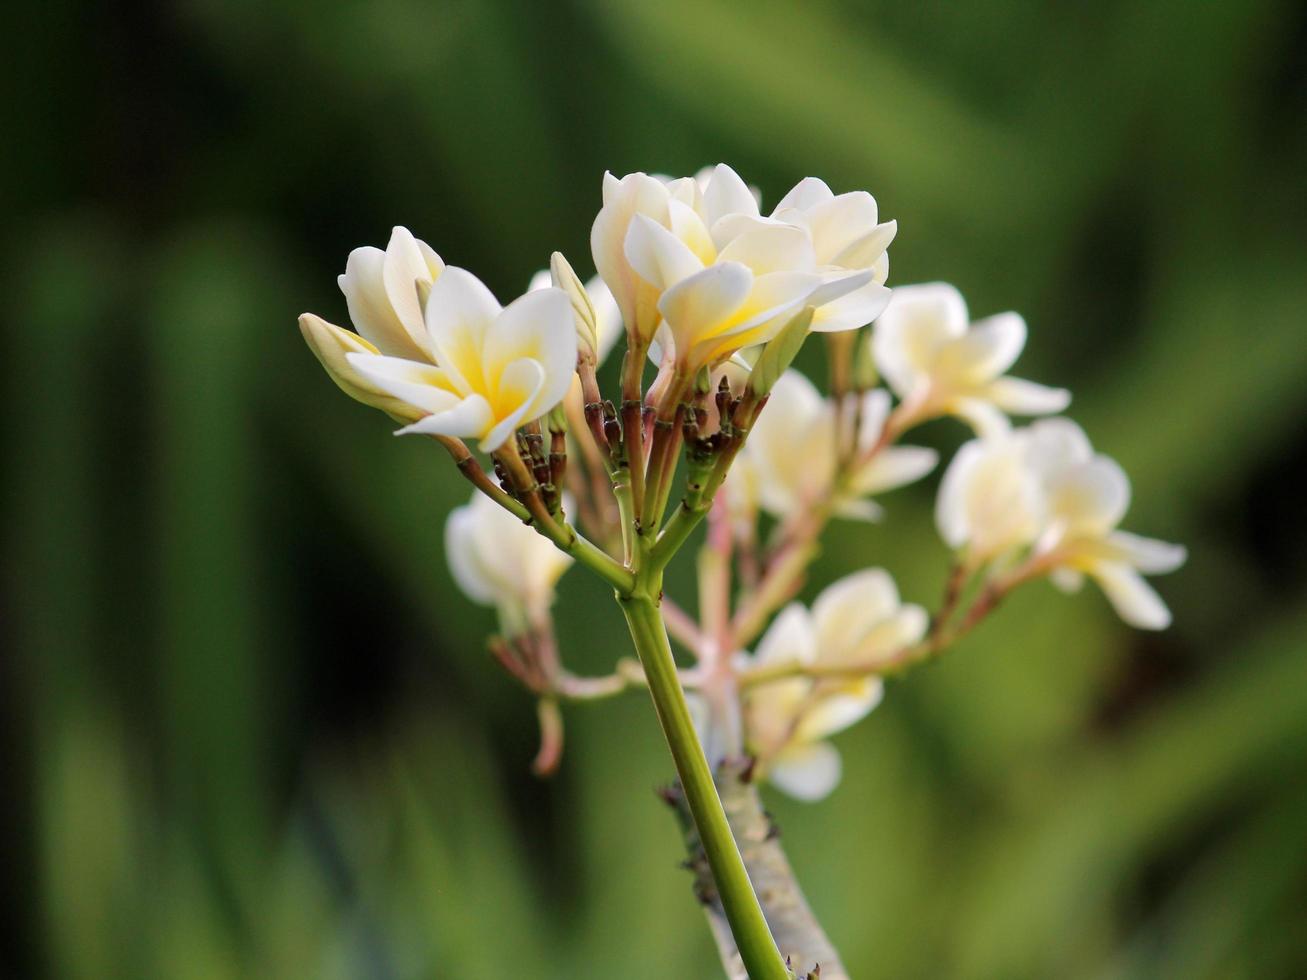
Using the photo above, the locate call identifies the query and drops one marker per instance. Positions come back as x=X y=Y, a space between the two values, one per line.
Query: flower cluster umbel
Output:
x=718 y=296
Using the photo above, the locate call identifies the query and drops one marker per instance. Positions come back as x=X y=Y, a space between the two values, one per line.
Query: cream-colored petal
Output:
x=1090 y=498
x=835 y=712
x=464 y=559
x=417 y=383
x=519 y=388
x=1057 y=445
x=331 y=345
x=538 y=326
x=840 y=222
x=608 y=318
x=1148 y=555
x=853 y=310
x=687 y=225
x=1134 y=600
x=805 y=195
x=904 y=628
x=407 y=264
x=869 y=250
x=806 y=772
x=908 y=336
x=726 y=194
x=849 y=608
x=893 y=467
x=459 y=313
x=466 y=420
x=700 y=304
x=986 y=420
x=623 y=199
x=369 y=306
x=1016 y=396
x=768 y=248
x=791 y=636
x=985 y=351
x=657 y=255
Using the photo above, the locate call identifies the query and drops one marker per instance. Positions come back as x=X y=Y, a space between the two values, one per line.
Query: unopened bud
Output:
x=587 y=333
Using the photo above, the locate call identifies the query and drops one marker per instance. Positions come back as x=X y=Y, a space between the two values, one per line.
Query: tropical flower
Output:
x=695 y=261
x=384 y=291
x=940 y=363
x=1044 y=489
x=499 y=561
x=857 y=620
x=498 y=367
x=794 y=451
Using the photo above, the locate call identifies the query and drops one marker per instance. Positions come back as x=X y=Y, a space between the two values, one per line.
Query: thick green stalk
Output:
x=739 y=902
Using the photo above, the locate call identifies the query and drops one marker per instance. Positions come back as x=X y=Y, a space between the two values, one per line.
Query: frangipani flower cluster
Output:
x=720 y=297
x=1042 y=493
x=695 y=263
x=857 y=620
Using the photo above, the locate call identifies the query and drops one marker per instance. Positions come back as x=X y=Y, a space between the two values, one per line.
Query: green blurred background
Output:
x=249 y=728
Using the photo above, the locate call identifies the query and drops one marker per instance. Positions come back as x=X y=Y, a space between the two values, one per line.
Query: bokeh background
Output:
x=249 y=728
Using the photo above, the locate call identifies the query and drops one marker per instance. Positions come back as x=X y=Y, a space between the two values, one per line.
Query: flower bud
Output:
x=587 y=330
x=330 y=344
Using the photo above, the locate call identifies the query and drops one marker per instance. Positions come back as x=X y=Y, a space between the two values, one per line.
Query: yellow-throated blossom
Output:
x=384 y=291
x=606 y=327
x=499 y=561
x=1044 y=487
x=496 y=368
x=940 y=363
x=697 y=263
x=793 y=451
x=857 y=620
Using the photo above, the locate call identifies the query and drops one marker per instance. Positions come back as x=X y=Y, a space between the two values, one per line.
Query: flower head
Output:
x=499 y=561
x=794 y=452
x=496 y=368
x=1043 y=492
x=933 y=357
x=857 y=620
x=693 y=260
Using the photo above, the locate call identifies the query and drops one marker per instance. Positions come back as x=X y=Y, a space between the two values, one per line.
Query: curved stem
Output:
x=739 y=903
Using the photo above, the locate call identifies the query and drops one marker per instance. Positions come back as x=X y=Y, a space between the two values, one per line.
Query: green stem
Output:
x=748 y=925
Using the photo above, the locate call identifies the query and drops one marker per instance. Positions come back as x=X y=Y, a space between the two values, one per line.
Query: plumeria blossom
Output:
x=1044 y=487
x=695 y=261
x=940 y=363
x=499 y=561
x=793 y=452
x=858 y=619
x=384 y=291
x=607 y=325
x=498 y=367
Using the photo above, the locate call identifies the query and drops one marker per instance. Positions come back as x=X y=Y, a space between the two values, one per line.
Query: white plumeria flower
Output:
x=857 y=620
x=384 y=291
x=499 y=561
x=1087 y=496
x=1043 y=487
x=608 y=318
x=698 y=256
x=794 y=445
x=499 y=367
x=940 y=363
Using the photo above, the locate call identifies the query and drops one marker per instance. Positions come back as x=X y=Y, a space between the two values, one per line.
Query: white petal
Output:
x=1090 y=498
x=894 y=467
x=985 y=351
x=538 y=326
x=986 y=420
x=461 y=553
x=903 y=629
x=1068 y=580
x=908 y=336
x=1148 y=555
x=370 y=309
x=726 y=194
x=853 y=310
x=608 y=318
x=1016 y=396
x=459 y=313
x=771 y=248
x=867 y=251
x=1133 y=599
x=951 y=515
x=468 y=419
x=409 y=262
x=332 y=345
x=422 y=385
x=520 y=384
x=836 y=712
x=634 y=194
x=841 y=283
x=806 y=772
x=658 y=256
x=1057 y=445
x=790 y=637
x=849 y=608
x=806 y=194
x=840 y=222
x=702 y=302
x=688 y=226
